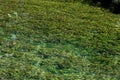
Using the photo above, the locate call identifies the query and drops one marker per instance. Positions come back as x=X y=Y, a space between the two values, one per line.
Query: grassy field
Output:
x=58 y=40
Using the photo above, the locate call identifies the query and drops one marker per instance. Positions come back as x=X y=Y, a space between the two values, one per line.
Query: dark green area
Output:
x=58 y=40
x=112 y=5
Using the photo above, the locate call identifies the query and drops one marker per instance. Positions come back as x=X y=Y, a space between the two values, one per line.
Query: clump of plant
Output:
x=17 y=19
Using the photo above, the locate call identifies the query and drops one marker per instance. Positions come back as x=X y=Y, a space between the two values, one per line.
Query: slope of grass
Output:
x=58 y=40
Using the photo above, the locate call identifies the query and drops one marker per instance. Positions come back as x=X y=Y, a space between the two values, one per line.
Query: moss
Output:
x=58 y=40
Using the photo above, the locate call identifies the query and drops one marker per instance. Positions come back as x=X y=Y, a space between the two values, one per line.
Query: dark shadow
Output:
x=112 y=6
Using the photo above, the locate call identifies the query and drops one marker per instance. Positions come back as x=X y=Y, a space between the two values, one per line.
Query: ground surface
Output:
x=58 y=40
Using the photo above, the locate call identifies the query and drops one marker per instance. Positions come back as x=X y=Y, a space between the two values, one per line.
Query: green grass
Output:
x=58 y=40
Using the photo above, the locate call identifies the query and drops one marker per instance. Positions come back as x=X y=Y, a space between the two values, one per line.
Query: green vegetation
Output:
x=112 y=5
x=58 y=40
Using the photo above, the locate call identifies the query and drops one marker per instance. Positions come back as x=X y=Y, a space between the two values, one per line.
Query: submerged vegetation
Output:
x=58 y=40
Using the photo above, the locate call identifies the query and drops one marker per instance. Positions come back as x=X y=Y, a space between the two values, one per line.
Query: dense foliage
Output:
x=58 y=40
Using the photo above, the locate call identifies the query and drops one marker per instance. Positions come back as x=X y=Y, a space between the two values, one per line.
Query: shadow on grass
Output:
x=109 y=5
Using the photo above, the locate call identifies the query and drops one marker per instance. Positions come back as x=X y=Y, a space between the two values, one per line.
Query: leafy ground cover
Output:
x=58 y=40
